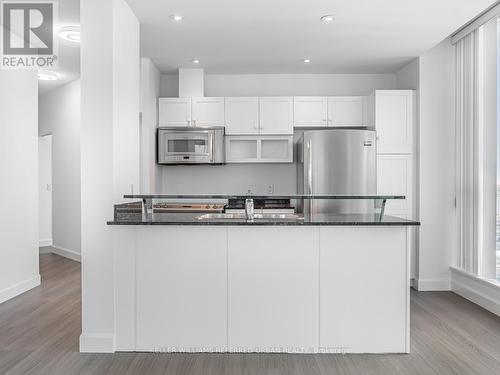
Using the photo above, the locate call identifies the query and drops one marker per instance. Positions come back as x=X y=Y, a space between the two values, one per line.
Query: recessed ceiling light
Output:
x=47 y=75
x=327 y=18
x=306 y=61
x=176 y=17
x=70 y=33
x=196 y=61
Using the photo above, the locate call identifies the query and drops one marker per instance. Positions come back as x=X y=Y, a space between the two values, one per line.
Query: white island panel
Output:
x=364 y=286
x=181 y=289
x=273 y=289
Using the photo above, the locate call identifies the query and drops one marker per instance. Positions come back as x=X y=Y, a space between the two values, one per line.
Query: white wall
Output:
x=110 y=74
x=45 y=190
x=19 y=190
x=407 y=78
x=229 y=179
x=285 y=84
x=59 y=115
x=437 y=167
x=239 y=178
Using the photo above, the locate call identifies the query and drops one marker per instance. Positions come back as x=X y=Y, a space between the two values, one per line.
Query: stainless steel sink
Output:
x=242 y=216
x=279 y=216
x=221 y=216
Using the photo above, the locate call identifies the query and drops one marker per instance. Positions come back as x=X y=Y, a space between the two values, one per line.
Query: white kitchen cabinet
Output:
x=174 y=111
x=259 y=149
x=347 y=111
x=359 y=268
x=181 y=289
x=242 y=115
x=393 y=116
x=262 y=288
x=395 y=177
x=242 y=149
x=310 y=111
x=208 y=111
x=335 y=111
x=276 y=115
x=191 y=111
x=272 y=290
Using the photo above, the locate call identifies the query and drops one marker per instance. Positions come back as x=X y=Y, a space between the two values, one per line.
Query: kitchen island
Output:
x=333 y=283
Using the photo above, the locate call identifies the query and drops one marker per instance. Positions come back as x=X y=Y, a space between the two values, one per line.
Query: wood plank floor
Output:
x=39 y=335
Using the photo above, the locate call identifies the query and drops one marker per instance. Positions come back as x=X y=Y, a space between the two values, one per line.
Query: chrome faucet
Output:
x=249 y=209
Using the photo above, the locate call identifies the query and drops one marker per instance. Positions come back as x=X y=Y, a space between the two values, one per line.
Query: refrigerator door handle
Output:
x=309 y=168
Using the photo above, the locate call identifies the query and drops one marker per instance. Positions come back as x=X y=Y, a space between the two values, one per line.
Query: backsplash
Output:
x=228 y=179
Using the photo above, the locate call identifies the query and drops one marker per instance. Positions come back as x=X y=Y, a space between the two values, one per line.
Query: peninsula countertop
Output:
x=138 y=218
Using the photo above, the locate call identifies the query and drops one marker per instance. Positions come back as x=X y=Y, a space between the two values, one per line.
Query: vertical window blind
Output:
x=467 y=75
x=475 y=64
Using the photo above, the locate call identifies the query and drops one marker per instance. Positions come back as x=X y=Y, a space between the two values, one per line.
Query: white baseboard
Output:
x=97 y=343
x=432 y=285
x=46 y=242
x=482 y=292
x=19 y=288
x=67 y=253
x=45 y=250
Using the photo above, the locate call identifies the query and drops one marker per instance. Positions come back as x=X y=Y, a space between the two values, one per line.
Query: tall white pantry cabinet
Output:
x=393 y=114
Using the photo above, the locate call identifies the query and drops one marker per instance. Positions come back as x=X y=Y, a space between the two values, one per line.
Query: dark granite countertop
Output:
x=277 y=196
x=136 y=218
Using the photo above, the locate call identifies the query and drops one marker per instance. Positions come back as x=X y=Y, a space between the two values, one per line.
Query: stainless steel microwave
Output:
x=191 y=145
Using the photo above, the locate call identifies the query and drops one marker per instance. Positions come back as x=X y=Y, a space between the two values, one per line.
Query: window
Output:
x=478 y=150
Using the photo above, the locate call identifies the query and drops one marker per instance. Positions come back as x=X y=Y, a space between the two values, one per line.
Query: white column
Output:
x=436 y=163
x=109 y=153
x=19 y=187
x=150 y=91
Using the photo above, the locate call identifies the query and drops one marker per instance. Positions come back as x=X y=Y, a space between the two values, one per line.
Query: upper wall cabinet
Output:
x=259 y=116
x=191 y=111
x=208 y=111
x=347 y=111
x=322 y=111
x=310 y=111
x=276 y=115
x=392 y=114
x=174 y=111
x=259 y=149
x=242 y=116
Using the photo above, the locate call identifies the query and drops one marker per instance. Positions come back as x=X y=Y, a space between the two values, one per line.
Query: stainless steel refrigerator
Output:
x=337 y=161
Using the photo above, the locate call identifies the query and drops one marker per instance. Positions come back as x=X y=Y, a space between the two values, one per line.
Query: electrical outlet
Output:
x=270 y=189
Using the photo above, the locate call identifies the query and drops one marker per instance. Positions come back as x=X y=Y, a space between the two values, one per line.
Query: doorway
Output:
x=45 y=190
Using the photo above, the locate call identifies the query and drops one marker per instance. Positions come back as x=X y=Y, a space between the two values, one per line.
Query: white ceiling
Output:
x=69 y=52
x=273 y=36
